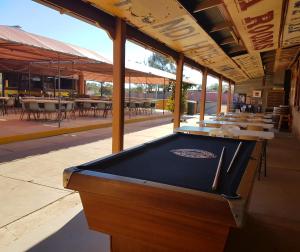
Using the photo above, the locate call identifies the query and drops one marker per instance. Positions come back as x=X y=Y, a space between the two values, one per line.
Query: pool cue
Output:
x=234 y=156
x=217 y=175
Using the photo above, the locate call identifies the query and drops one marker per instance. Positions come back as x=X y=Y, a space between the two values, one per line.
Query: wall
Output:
x=248 y=86
x=295 y=111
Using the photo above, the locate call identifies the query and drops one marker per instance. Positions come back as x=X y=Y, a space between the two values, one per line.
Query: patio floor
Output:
x=13 y=129
x=38 y=214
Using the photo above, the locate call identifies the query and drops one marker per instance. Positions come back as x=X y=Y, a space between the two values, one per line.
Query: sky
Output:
x=42 y=20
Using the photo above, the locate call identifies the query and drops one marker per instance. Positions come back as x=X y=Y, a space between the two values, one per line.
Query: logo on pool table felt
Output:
x=193 y=153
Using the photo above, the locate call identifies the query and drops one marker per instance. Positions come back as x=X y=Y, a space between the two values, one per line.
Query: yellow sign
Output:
x=258 y=22
x=251 y=64
x=291 y=32
x=284 y=57
x=170 y=23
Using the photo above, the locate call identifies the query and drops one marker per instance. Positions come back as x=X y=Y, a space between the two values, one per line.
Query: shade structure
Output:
x=18 y=49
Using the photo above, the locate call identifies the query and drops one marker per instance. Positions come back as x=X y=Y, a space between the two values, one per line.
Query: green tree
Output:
x=171 y=99
x=161 y=62
x=213 y=87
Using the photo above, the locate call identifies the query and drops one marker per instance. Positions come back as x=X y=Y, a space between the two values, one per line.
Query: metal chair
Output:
x=108 y=107
x=49 y=109
x=34 y=109
x=99 y=107
x=10 y=104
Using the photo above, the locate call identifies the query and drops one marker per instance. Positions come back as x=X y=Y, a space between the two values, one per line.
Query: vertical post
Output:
x=219 y=99
x=118 y=85
x=129 y=95
x=81 y=84
x=164 y=93
x=59 y=95
x=29 y=79
x=177 y=99
x=229 y=98
x=203 y=94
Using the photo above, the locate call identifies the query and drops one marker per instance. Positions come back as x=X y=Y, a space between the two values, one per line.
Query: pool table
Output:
x=158 y=196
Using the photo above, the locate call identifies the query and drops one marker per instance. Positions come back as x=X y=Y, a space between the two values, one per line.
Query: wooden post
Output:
x=178 y=85
x=59 y=93
x=84 y=87
x=81 y=84
x=29 y=80
x=229 y=98
x=164 y=92
x=118 y=85
x=219 y=99
x=203 y=94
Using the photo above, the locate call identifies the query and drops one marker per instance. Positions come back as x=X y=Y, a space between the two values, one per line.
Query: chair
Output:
x=34 y=109
x=99 y=107
x=2 y=107
x=10 y=104
x=70 y=109
x=87 y=106
x=108 y=107
x=49 y=109
x=132 y=106
x=152 y=106
x=147 y=107
x=25 y=109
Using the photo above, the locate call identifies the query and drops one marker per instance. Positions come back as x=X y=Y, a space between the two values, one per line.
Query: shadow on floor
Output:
x=23 y=149
x=76 y=237
x=264 y=234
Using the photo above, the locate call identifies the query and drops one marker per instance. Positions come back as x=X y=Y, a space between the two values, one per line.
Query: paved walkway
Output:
x=11 y=124
x=38 y=214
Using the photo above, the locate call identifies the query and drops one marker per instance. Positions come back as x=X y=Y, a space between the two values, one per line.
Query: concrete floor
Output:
x=38 y=214
x=11 y=124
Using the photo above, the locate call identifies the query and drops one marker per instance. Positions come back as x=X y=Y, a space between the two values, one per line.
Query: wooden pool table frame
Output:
x=146 y=216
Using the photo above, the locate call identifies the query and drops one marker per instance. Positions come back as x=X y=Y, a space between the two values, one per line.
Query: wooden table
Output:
x=266 y=135
x=41 y=101
x=91 y=101
x=248 y=119
x=267 y=126
x=249 y=115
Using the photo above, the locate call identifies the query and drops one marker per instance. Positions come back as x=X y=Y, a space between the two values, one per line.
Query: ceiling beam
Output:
x=88 y=13
x=228 y=41
x=236 y=50
x=207 y=4
x=220 y=27
x=97 y=17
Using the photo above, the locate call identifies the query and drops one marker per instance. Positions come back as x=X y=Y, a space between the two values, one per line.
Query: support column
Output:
x=118 y=86
x=203 y=94
x=219 y=99
x=81 y=84
x=178 y=85
x=229 y=98
x=84 y=87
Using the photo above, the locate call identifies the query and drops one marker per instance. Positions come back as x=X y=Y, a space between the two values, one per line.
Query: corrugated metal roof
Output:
x=18 y=36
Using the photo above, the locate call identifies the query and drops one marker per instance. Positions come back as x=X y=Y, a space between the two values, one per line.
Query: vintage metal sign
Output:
x=251 y=64
x=258 y=22
x=291 y=32
x=284 y=57
x=170 y=23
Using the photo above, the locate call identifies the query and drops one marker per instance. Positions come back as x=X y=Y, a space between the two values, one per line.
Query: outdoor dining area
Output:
x=41 y=108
